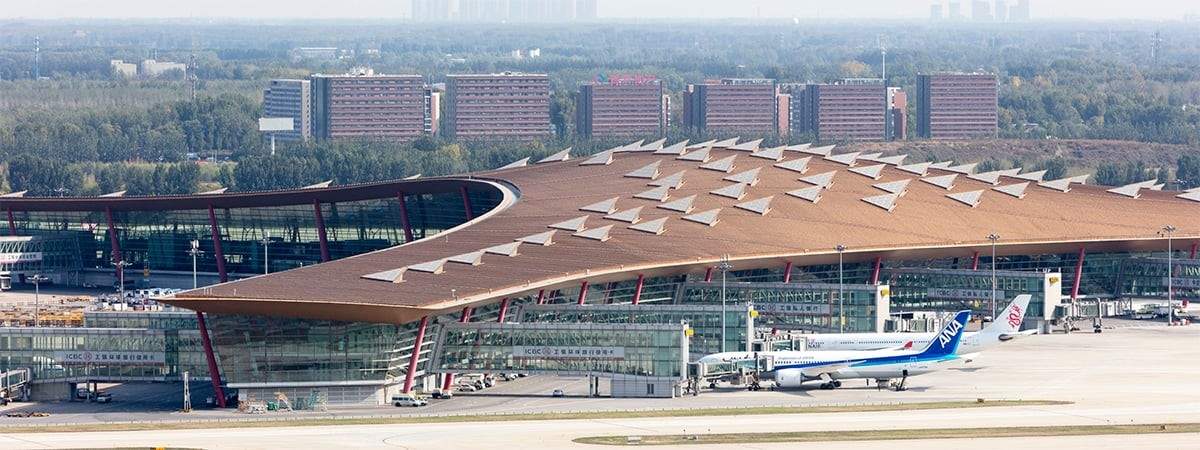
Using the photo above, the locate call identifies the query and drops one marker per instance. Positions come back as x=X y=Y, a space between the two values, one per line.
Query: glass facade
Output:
x=158 y=320
x=260 y=349
x=570 y=348
x=152 y=241
x=110 y=353
x=704 y=320
x=955 y=290
x=798 y=306
x=1147 y=278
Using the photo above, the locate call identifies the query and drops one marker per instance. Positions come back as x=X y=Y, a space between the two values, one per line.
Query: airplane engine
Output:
x=789 y=378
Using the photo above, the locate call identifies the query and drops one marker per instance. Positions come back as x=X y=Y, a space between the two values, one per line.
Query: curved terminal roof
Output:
x=569 y=229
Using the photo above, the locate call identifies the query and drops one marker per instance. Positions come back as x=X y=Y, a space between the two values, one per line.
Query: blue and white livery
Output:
x=791 y=369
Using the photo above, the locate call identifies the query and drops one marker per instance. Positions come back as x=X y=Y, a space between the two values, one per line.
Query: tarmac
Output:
x=1124 y=375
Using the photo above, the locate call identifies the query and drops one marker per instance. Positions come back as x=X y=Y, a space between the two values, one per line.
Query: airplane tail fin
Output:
x=946 y=341
x=1009 y=320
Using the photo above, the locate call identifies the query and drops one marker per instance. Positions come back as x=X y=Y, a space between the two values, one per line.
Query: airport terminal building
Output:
x=612 y=265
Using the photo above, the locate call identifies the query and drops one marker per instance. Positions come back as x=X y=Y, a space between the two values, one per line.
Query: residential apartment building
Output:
x=957 y=106
x=852 y=110
x=498 y=106
x=622 y=106
x=732 y=106
x=290 y=99
x=364 y=104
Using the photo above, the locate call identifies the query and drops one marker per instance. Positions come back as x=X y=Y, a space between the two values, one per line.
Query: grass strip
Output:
x=884 y=435
x=698 y=412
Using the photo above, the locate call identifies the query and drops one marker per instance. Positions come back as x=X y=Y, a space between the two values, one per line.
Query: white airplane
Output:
x=1006 y=327
x=791 y=369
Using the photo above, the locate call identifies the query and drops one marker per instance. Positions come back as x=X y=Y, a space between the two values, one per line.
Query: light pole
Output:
x=195 y=252
x=724 y=266
x=841 y=291
x=121 y=265
x=37 y=280
x=1169 y=231
x=993 y=237
x=266 y=242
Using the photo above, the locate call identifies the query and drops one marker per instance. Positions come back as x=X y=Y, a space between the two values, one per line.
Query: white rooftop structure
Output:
x=812 y=194
x=969 y=198
x=872 y=172
x=707 y=217
x=918 y=168
x=760 y=206
x=700 y=155
x=683 y=205
x=602 y=207
x=894 y=187
x=798 y=165
x=943 y=181
x=563 y=155
x=748 y=176
x=544 y=238
x=575 y=224
x=673 y=181
x=515 y=164
x=844 y=158
x=1015 y=190
x=661 y=193
x=885 y=201
x=721 y=165
x=735 y=191
x=824 y=180
x=656 y=226
x=596 y=234
x=631 y=215
x=648 y=172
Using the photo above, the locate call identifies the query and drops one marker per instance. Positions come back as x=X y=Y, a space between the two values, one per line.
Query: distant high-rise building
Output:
x=852 y=110
x=482 y=10
x=935 y=12
x=954 y=10
x=732 y=106
x=897 y=114
x=561 y=10
x=981 y=11
x=123 y=69
x=431 y=10
x=624 y=106
x=1019 y=12
x=587 y=10
x=956 y=106
x=364 y=104
x=1001 y=10
x=290 y=99
x=498 y=106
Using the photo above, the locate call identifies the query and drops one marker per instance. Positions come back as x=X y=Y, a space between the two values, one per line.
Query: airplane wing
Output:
x=817 y=371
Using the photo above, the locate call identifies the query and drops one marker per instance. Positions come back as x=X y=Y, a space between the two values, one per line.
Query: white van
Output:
x=408 y=400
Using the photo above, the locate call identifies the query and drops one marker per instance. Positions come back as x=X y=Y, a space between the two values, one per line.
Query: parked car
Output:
x=103 y=397
x=446 y=394
x=467 y=388
x=557 y=393
x=83 y=392
x=408 y=400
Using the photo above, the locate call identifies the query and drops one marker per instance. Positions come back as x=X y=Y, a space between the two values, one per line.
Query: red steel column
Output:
x=637 y=292
x=218 y=254
x=787 y=272
x=214 y=373
x=503 y=310
x=408 y=234
x=875 y=273
x=116 y=246
x=416 y=353
x=1078 y=274
x=12 y=227
x=708 y=275
x=449 y=380
x=1195 y=246
x=321 y=236
x=583 y=292
x=541 y=300
x=975 y=261
x=466 y=202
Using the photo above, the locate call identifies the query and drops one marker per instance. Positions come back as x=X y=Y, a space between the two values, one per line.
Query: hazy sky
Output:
x=1088 y=9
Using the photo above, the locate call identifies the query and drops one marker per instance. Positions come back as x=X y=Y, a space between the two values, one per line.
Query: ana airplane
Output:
x=1007 y=326
x=791 y=369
